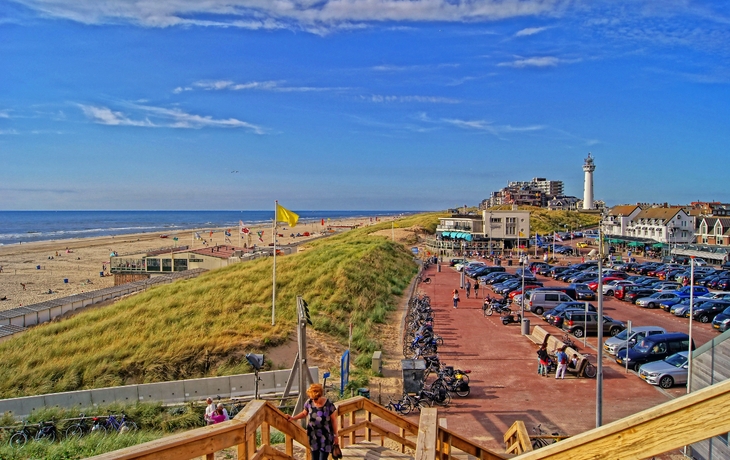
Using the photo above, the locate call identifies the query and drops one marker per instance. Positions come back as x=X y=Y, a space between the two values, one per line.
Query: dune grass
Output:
x=203 y=326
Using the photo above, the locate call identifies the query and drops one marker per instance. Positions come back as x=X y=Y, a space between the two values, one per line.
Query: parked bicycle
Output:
x=113 y=423
x=404 y=406
x=81 y=427
x=23 y=435
x=47 y=431
x=539 y=440
x=589 y=370
x=569 y=342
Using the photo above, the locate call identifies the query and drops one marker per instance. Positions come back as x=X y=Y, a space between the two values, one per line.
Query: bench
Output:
x=554 y=344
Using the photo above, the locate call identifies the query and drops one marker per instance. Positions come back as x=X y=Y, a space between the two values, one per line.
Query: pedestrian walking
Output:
x=476 y=288
x=468 y=288
x=322 y=428
x=562 y=358
x=456 y=298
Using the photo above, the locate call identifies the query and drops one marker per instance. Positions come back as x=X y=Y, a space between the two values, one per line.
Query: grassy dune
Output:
x=203 y=326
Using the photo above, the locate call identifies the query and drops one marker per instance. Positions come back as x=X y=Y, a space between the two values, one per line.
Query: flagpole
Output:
x=273 y=290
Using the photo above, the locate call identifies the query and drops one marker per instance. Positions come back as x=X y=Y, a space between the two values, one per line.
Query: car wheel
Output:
x=636 y=367
x=704 y=319
x=578 y=332
x=666 y=382
x=651 y=305
x=609 y=292
x=613 y=331
x=538 y=311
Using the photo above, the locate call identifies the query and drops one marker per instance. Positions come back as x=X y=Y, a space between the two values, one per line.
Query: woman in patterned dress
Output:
x=321 y=424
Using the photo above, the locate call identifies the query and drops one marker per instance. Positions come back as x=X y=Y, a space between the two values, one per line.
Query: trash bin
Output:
x=65 y=280
x=525 y=326
x=377 y=364
x=364 y=392
x=413 y=374
x=509 y=262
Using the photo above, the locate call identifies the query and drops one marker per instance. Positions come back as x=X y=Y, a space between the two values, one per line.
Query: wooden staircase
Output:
x=366 y=427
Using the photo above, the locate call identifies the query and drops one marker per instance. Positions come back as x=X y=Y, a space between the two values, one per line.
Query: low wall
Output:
x=179 y=391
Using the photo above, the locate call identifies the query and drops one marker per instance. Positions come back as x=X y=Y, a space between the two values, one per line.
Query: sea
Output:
x=29 y=226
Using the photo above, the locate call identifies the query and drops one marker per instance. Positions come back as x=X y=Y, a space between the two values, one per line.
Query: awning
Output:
x=636 y=244
x=657 y=245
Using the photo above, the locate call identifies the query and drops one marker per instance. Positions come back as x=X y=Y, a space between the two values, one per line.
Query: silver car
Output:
x=655 y=299
x=618 y=342
x=666 y=373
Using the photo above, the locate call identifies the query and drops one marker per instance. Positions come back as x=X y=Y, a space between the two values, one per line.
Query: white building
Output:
x=619 y=218
x=671 y=225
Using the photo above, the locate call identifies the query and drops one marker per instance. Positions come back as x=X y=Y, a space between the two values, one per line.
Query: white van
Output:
x=539 y=301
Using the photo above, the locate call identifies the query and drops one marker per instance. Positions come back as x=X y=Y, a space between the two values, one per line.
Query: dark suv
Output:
x=653 y=348
x=580 y=323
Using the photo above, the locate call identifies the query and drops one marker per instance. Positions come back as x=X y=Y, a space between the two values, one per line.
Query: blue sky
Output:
x=358 y=104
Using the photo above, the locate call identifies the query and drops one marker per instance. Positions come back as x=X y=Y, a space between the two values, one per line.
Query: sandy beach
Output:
x=35 y=272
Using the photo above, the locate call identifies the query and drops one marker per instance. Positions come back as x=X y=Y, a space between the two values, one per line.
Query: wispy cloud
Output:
x=4 y=114
x=6 y=132
x=530 y=31
x=161 y=117
x=490 y=127
x=269 y=85
x=538 y=61
x=412 y=68
x=479 y=125
x=422 y=99
x=314 y=16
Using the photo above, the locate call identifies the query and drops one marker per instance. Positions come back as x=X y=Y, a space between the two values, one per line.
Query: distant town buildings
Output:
x=489 y=232
x=538 y=192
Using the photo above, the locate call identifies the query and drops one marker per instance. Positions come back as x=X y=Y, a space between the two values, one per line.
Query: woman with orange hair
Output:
x=321 y=424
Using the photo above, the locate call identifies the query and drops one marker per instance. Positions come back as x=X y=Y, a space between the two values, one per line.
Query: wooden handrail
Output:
x=427 y=435
x=517 y=438
x=676 y=423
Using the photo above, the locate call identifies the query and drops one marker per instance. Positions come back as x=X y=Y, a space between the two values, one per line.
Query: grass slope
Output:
x=203 y=326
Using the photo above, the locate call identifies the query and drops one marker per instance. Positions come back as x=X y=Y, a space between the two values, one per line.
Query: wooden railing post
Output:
x=265 y=434
x=353 y=420
x=369 y=418
x=427 y=431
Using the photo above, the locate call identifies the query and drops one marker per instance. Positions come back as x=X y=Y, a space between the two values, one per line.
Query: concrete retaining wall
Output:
x=180 y=391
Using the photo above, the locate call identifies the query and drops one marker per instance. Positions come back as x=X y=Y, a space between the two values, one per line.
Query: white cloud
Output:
x=422 y=99
x=490 y=127
x=4 y=132
x=270 y=85
x=545 y=61
x=316 y=16
x=4 y=114
x=161 y=117
x=530 y=31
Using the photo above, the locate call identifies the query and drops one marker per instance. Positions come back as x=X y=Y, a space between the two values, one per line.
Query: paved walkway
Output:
x=504 y=380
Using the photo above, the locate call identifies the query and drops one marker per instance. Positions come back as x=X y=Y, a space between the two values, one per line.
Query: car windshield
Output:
x=676 y=360
x=622 y=335
x=644 y=346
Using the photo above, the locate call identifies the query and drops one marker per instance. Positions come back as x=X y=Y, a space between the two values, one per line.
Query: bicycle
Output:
x=47 y=430
x=569 y=342
x=20 y=437
x=589 y=371
x=424 y=280
x=80 y=428
x=112 y=423
x=538 y=442
x=403 y=407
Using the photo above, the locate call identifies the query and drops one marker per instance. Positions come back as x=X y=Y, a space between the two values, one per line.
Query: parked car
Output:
x=496 y=277
x=549 y=315
x=556 y=271
x=582 y=244
x=484 y=270
x=619 y=341
x=580 y=323
x=539 y=301
x=653 y=348
x=667 y=372
x=610 y=287
x=593 y=285
x=621 y=290
x=545 y=269
x=454 y=262
x=722 y=321
x=655 y=299
x=582 y=291
x=708 y=310
x=637 y=293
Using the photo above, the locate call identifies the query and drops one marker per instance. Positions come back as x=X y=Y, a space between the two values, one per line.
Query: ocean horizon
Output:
x=31 y=226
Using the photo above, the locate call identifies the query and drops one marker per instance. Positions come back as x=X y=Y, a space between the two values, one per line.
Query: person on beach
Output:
x=468 y=288
x=456 y=298
x=321 y=423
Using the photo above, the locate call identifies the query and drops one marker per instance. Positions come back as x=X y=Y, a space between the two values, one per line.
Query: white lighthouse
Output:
x=588 y=168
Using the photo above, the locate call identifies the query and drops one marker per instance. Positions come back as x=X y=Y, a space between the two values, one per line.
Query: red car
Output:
x=528 y=287
x=593 y=285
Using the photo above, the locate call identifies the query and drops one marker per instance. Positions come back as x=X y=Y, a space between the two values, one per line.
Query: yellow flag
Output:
x=284 y=215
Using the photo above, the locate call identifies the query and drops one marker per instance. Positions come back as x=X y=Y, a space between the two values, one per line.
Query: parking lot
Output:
x=504 y=380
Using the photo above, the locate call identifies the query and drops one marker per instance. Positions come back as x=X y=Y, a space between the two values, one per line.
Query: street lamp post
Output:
x=599 y=362
x=691 y=313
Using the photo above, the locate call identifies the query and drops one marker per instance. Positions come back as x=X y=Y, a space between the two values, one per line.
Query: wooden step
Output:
x=371 y=451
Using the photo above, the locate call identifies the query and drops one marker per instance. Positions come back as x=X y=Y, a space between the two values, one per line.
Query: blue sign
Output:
x=414 y=250
x=344 y=371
